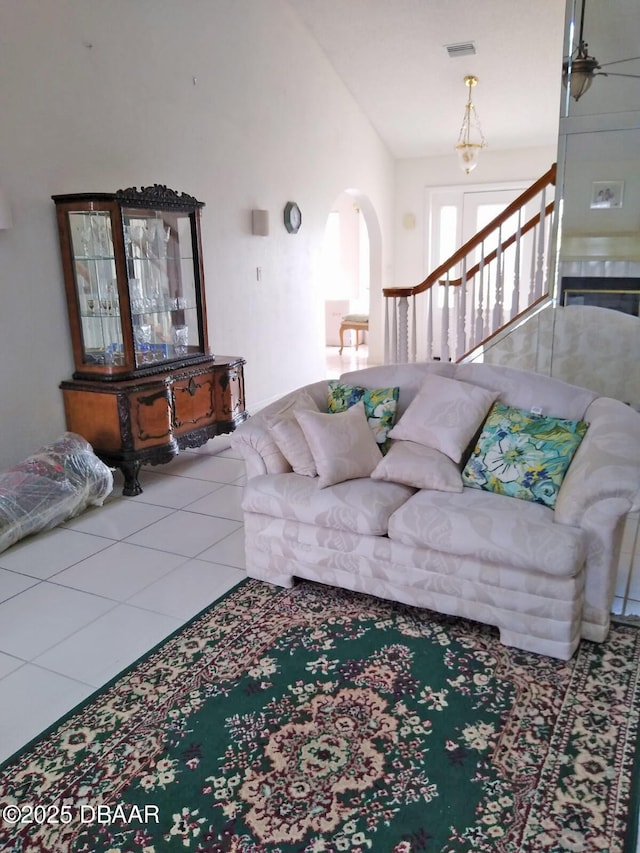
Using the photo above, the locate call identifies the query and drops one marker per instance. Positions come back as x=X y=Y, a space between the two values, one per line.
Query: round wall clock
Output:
x=292 y=217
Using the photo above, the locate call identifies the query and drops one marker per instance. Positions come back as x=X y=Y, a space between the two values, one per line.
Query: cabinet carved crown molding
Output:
x=157 y=194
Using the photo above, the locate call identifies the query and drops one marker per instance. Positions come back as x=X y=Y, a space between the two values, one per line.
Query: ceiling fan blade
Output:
x=614 y=74
x=617 y=61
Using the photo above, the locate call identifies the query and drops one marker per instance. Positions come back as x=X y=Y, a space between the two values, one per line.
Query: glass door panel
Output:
x=162 y=287
x=96 y=286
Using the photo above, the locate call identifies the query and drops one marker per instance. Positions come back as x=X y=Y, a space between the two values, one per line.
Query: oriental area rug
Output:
x=318 y=720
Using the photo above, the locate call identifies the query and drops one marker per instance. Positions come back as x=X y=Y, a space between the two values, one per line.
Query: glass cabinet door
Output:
x=162 y=287
x=94 y=267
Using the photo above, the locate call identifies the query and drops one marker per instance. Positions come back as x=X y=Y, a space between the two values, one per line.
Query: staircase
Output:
x=493 y=282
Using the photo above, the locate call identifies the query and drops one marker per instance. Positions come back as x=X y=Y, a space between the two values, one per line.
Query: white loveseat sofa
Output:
x=544 y=577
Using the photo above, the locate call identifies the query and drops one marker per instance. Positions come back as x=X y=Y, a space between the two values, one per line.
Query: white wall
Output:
x=228 y=100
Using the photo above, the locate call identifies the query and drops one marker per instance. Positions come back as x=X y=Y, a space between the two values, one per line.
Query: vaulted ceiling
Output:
x=392 y=56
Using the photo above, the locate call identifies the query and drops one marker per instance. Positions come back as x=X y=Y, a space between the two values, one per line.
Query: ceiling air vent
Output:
x=463 y=48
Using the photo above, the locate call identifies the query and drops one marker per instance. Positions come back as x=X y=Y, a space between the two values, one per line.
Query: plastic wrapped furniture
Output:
x=59 y=481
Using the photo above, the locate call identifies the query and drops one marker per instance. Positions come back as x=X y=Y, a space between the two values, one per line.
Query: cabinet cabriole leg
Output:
x=132 y=485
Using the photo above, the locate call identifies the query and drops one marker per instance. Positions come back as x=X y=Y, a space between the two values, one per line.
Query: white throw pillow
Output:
x=342 y=444
x=419 y=466
x=445 y=414
x=289 y=438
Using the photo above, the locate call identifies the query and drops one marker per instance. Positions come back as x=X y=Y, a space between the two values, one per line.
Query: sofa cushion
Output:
x=359 y=506
x=529 y=390
x=342 y=445
x=288 y=436
x=445 y=414
x=490 y=527
x=416 y=465
x=523 y=455
x=380 y=406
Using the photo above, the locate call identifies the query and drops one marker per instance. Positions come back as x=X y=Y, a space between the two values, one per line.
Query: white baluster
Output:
x=532 y=274
x=430 y=323
x=540 y=265
x=489 y=296
x=515 y=295
x=497 y=306
x=414 y=328
x=479 y=324
x=471 y=309
x=444 y=328
x=461 y=301
x=547 y=266
x=403 y=329
x=387 y=343
x=394 y=331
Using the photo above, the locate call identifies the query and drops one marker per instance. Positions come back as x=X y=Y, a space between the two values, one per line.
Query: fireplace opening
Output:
x=617 y=294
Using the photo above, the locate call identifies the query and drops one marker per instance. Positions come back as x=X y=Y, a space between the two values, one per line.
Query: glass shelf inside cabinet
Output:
x=162 y=285
x=96 y=286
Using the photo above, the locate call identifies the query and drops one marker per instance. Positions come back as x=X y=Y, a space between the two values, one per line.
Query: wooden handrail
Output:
x=433 y=277
x=456 y=282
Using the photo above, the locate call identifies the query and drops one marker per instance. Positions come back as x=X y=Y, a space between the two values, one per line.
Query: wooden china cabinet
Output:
x=145 y=383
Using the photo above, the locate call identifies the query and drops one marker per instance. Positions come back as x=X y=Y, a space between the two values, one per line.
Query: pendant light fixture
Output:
x=471 y=140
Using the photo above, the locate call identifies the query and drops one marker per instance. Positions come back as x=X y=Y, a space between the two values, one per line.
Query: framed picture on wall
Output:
x=606 y=194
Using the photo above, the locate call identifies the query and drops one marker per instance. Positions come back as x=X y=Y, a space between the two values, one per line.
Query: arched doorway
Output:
x=351 y=269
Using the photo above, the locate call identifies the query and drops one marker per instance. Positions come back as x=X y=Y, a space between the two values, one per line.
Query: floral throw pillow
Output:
x=380 y=406
x=523 y=455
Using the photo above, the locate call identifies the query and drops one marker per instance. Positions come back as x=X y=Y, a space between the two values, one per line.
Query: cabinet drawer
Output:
x=193 y=402
x=149 y=416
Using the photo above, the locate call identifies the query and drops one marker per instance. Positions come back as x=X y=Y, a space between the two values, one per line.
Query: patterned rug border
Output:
x=633 y=834
x=123 y=672
x=629 y=839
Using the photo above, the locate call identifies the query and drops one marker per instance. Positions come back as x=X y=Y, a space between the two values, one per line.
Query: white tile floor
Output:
x=80 y=603
x=351 y=359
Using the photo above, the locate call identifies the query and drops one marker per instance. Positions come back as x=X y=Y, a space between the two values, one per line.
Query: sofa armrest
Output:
x=253 y=440
x=259 y=450
x=606 y=465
